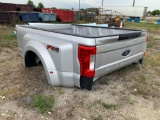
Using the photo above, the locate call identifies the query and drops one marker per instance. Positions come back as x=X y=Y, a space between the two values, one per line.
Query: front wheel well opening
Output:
x=32 y=59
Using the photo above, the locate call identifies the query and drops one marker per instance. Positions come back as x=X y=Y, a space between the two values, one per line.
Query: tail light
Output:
x=86 y=57
x=147 y=39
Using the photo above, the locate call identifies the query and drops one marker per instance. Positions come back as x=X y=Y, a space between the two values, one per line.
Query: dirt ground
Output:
x=134 y=93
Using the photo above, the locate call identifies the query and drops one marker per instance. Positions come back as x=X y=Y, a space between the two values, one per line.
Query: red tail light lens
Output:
x=84 y=55
x=147 y=39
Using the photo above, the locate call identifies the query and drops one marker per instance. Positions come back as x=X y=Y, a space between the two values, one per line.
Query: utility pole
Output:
x=102 y=2
x=133 y=3
x=79 y=10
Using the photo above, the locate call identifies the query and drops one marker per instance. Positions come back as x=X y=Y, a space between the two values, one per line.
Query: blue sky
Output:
x=151 y=4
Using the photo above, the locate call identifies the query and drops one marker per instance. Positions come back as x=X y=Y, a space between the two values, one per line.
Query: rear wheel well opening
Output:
x=32 y=59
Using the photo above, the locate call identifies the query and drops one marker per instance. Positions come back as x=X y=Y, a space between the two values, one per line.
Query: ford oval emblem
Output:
x=126 y=52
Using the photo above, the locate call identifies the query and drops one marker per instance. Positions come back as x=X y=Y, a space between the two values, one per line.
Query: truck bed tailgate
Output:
x=114 y=54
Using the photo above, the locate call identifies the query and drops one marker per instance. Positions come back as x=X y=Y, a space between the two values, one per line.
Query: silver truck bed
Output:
x=77 y=55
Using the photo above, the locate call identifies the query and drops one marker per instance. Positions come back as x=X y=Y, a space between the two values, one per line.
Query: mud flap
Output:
x=86 y=82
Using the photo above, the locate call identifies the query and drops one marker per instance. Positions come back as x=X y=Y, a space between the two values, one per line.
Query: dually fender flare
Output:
x=48 y=63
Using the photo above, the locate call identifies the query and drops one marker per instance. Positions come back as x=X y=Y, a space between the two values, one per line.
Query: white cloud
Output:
x=71 y=3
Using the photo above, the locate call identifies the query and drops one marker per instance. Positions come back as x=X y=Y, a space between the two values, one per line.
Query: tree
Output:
x=30 y=2
x=156 y=12
x=40 y=5
x=149 y=12
x=82 y=9
x=54 y=8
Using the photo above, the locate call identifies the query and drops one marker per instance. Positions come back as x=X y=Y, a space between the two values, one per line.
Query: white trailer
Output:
x=134 y=12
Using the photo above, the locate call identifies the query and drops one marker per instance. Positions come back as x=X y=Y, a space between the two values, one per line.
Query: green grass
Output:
x=105 y=105
x=130 y=118
x=97 y=117
x=146 y=90
x=152 y=60
x=146 y=26
x=44 y=104
x=151 y=42
x=143 y=80
x=8 y=36
x=143 y=83
x=103 y=82
x=80 y=22
x=109 y=106
x=127 y=99
x=8 y=40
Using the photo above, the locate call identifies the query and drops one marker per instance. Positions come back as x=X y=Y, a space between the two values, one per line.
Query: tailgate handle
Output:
x=129 y=36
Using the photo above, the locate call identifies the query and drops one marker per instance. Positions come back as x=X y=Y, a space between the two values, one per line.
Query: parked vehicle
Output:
x=47 y=17
x=8 y=17
x=132 y=12
x=63 y=15
x=24 y=16
x=77 y=55
x=34 y=17
x=7 y=7
x=4 y=17
x=24 y=7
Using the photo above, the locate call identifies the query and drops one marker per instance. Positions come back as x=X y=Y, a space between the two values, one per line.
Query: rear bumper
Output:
x=86 y=82
x=105 y=69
